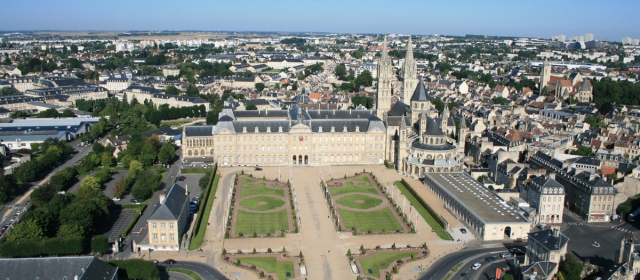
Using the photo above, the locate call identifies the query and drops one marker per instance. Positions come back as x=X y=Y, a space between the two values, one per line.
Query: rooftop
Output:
x=486 y=205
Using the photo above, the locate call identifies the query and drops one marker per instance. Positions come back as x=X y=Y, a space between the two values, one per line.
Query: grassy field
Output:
x=189 y=273
x=261 y=223
x=351 y=188
x=271 y=265
x=368 y=201
x=371 y=220
x=196 y=241
x=248 y=189
x=423 y=212
x=253 y=203
x=382 y=261
x=196 y=170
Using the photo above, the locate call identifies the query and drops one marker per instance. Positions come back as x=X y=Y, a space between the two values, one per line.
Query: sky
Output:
x=607 y=20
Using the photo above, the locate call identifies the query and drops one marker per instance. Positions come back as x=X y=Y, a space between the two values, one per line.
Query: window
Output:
x=162 y=225
x=153 y=225
x=171 y=237
x=171 y=226
x=155 y=236
x=163 y=237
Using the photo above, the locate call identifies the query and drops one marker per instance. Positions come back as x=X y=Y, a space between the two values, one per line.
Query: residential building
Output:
x=141 y=93
x=546 y=246
x=168 y=221
x=547 y=197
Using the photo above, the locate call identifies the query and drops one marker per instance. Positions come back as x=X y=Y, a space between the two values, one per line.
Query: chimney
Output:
x=552 y=175
x=535 y=271
x=556 y=232
x=162 y=197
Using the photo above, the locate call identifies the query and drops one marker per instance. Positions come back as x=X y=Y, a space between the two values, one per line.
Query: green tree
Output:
x=27 y=171
x=341 y=71
x=49 y=113
x=172 y=90
x=571 y=267
x=26 y=230
x=107 y=160
x=583 y=151
x=259 y=87
x=90 y=182
x=167 y=153
x=251 y=106
x=146 y=183
x=121 y=187
x=134 y=168
x=67 y=113
x=362 y=100
x=499 y=100
x=192 y=91
x=364 y=79
x=70 y=230
x=8 y=186
x=508 y=277
x=147 y=155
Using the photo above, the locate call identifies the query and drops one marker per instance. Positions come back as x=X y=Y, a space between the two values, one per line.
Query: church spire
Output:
x=409 y=55
x=409 y=73
x=385 y=52
x=385 y=81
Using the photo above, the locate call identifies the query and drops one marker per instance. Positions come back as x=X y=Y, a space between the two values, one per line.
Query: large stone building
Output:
x=414 y=136
x=168 y=222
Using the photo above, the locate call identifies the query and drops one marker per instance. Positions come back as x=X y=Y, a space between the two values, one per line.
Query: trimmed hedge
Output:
x=426 y=206
x=48 y=247
x=136 y=269
x=208 y=194
x=133 y=222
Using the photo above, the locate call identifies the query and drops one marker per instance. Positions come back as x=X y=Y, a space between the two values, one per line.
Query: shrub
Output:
x=238 y=262
x=254 y=250
x=136 y=269
x=269 y=250
x=100 y=244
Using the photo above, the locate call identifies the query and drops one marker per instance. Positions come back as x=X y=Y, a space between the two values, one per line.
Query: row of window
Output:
x=162 y=225
x=225 y=139
x=163 y=237
x=297 y=159
x=343 y=147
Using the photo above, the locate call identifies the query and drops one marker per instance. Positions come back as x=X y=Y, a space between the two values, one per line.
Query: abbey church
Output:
x=406 y=131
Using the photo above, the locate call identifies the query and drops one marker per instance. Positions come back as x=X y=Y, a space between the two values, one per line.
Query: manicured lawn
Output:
x=196 y=241
x=189 y=273
x=382 y=261
x=253 y=203
x=259 y=188
x=261 y=223
x=271 y=265
x=352 y=201
x=195 y=170
x=423 y=212
x=371 y=220
x=350 y=188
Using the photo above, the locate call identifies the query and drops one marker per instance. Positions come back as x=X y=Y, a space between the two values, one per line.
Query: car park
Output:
x=475 y=266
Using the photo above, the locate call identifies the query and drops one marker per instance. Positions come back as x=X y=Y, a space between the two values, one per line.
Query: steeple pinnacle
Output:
x=385 y=52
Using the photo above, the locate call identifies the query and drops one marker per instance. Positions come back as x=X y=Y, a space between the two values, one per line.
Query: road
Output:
x=443 y=266
x=204 y=270
x=21 y=203
x=135 y=234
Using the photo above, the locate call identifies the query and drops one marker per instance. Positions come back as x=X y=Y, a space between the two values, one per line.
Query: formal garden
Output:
x=382 y=263
x=260 y=208
x=269 y=264
x=361 y=205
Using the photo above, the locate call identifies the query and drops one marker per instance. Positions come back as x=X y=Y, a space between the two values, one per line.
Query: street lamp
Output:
x=150 y=250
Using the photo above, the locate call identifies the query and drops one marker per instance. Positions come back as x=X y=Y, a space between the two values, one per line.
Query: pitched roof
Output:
x=420 y=93
x=548 y=240
x=173 y=206
x=85 y=268
x=433 y=128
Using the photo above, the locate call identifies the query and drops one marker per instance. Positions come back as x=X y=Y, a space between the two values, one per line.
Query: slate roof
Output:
x=589 y=161
x=432 y=128
x=423 y=146
x=547 y=183
x=84 y=267
x=398 y=109
x=543 y=269
x=198 y=131
x=547 y=240
x=420 y=93
x=173 y=205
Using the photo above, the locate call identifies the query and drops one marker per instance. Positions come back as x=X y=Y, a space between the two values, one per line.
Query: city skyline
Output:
x=498 y=18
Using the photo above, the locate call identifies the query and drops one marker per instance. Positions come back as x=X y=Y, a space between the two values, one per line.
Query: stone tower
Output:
x=545 y=75
x=385 y=79
x=445 y=117
x=462 y=137
x=409 y=74
x=402 y=144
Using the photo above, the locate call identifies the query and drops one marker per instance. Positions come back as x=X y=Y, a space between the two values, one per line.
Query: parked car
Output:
x=116 y=199
x=596 y=244
x=463 y=230
x=505 y=255
x=475 y=266
x=169 y=261
x=258 y=169
x=134 y=201
x=490 y=259
x=154 y=261
x=515 y=251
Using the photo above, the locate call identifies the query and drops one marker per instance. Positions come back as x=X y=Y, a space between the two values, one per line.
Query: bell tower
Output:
x=409 y=73
x=385 y=79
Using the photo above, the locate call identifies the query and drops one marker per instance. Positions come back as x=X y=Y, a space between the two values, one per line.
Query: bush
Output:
x=100 y=244
x=33 y=248
x=136 y=269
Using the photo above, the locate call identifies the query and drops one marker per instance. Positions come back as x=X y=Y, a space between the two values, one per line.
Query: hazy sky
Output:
x=607 y=20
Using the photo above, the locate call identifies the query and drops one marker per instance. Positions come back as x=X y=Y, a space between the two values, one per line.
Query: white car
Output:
x=475 y=266
x=116 y=199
